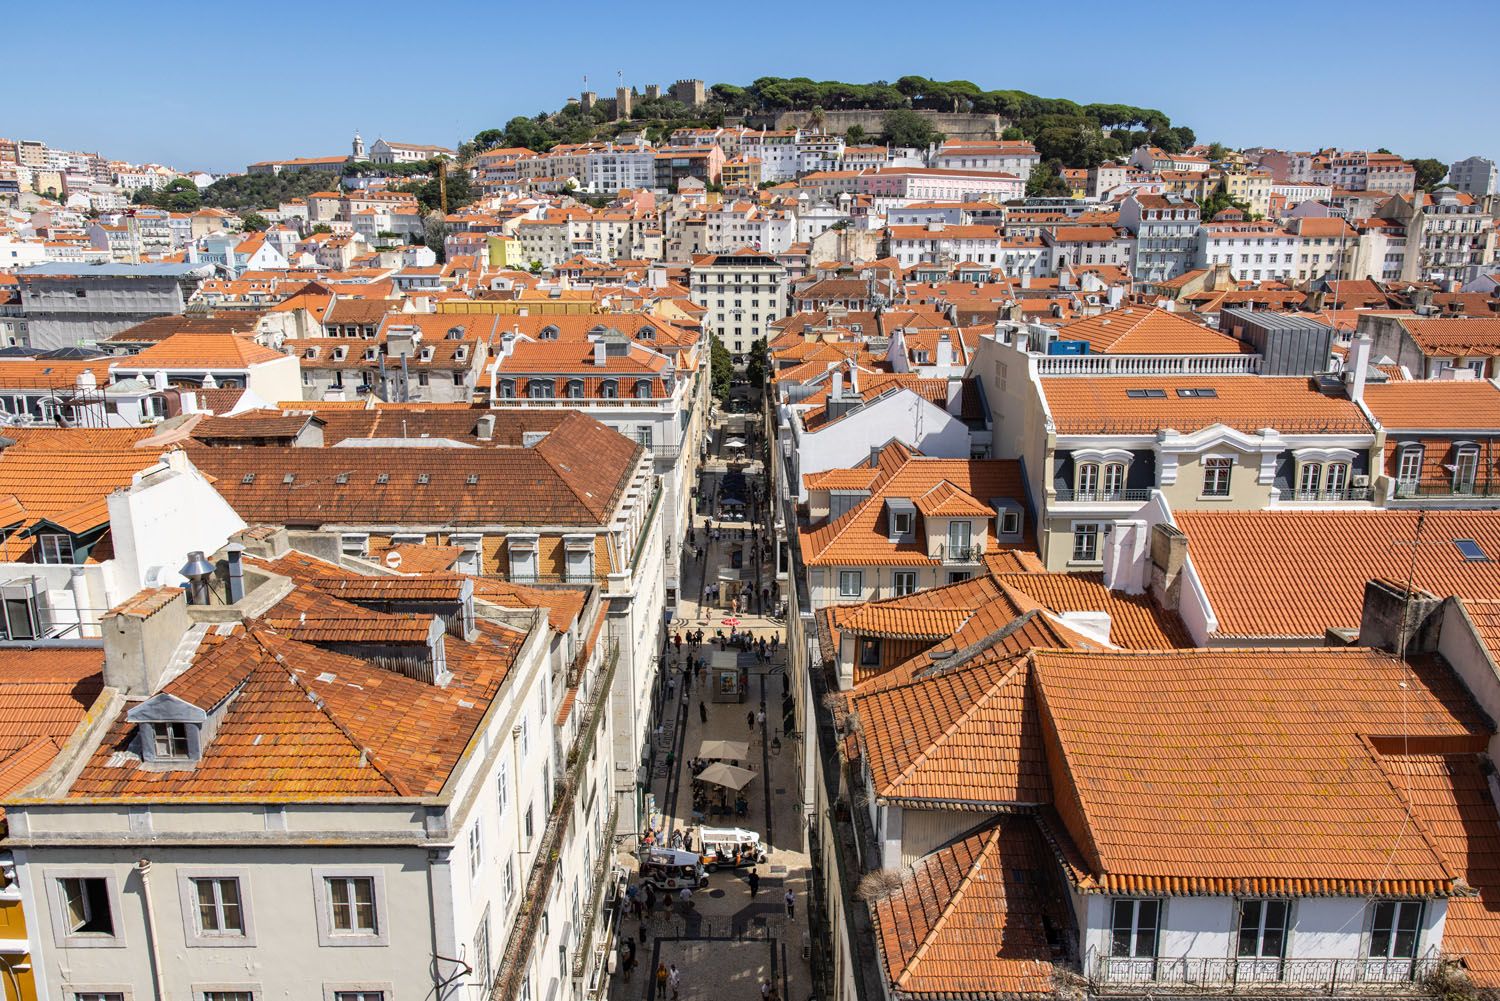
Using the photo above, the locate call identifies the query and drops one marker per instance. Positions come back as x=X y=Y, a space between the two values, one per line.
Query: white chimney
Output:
x=1125 y=561
x=1359 y=361
x=944 y=351
x=600 y=352
x=838 y=386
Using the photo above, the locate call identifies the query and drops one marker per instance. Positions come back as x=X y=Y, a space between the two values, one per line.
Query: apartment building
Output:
x=744 y=293
x=1165 y=228
x=1253 y=251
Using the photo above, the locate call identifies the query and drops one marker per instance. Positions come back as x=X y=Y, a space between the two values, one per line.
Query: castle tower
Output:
x=689 y=92
x=359 y=146
x=653 y=91
x=623 y=99
x=588 y=99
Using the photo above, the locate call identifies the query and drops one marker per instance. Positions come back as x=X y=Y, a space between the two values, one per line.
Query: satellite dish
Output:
x=392 y=559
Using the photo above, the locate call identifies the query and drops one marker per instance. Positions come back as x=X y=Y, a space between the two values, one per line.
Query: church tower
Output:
x=359 y=146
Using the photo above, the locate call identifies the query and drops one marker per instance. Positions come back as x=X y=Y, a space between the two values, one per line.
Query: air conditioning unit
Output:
x=1361 y=482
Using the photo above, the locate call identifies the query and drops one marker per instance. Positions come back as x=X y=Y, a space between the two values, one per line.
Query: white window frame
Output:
x=899 y=580
x=328 y=936
x=51 y=544
x=1213 y=465
x=858 y=577
x=1264 y=904
x=1409 y=460
x=1081 y=530
x=348 y=542
x=1135 y=926
x=103 y=993
x=476 y=849
x=897 y=518
x=201 y=992
x=192 y=931
x=1465 y=454
x=1416 y=945
x=359 y=991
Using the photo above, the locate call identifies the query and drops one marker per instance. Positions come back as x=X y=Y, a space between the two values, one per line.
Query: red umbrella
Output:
x=731 y=622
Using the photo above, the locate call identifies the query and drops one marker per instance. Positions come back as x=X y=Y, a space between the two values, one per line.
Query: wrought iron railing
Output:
x=1328 y=496
x=597 y=885
x=960 y=554
x=1102 y=496
x=1111 y=974
x=1445 y=488
x=514 y=960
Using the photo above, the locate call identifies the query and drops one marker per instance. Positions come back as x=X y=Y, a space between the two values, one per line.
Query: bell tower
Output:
x=359 y=146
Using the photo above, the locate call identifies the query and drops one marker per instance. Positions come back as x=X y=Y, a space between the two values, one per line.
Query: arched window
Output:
x=609 y=389
x=507 y=389
x=540 y=389
x=575 y=389
x=1409 y=469
x=1465 y=468
x=643 y=389
x=547 y=333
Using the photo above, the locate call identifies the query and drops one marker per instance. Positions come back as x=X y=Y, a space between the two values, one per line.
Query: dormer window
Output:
x=643 y=389
x=369 y=354
x=609 y=389
x=340 y=353
x=507 y=389
x=427 y=353
x=547 y=333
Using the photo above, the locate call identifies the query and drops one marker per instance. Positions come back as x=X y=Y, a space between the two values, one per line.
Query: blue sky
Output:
x=215 y=86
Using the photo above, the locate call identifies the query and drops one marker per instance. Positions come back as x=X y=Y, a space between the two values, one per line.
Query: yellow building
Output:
x=1253 y=187
x=741 y=172
x=505 y=252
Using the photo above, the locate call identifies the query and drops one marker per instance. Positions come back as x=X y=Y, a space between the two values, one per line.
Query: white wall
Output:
x=903 y=415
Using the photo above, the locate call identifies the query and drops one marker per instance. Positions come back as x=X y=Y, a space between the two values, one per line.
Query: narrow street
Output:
x=728 y=944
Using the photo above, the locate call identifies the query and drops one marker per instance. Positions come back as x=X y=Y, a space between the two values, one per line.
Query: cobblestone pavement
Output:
x=726 y=943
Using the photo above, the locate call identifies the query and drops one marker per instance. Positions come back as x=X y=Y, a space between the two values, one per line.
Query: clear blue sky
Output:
x=215 y=86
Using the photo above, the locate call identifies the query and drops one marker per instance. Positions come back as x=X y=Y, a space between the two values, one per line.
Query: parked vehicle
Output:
x=672 y=869
x=730 y=847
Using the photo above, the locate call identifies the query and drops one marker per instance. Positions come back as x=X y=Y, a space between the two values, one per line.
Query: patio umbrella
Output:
x=727 y=776
x=731 y=622
x=734 y=443
x=732 y=750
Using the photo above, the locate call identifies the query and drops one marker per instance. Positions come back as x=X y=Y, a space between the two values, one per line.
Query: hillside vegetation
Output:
x=1078 y=135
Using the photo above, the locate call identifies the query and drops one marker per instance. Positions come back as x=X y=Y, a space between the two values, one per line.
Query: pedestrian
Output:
x=675 y=980
x=671 y=759
x=791 y=904
x=671 y=685
x=644 y=930
x=702 y=712
x=687 y=678
x=765 y=990
x=754 y=878
x=661 y=980
x=628 y=960
x=750 y=720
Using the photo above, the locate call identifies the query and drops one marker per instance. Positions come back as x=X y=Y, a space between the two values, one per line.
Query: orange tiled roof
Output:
x=1134 y=330
x=1430 y=405
x=1246 y=771
x=1454 y=335
x=1101 y=405
x=44 y=694
x=200 y=351
x=970 y=920
x=1300 y=573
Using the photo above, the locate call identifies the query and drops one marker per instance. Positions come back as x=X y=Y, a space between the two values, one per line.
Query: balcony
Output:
x=1066 y=496
x=1236 y=364
x=1408 y=489
x=960 y=554
x=1346 y=495
x=1111 y=975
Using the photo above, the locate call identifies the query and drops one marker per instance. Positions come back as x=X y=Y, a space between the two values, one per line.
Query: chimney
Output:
x=1359 y=363
x=838 y=386
x=944 y=350
x=140 y=638
x=1026 y=281
x=233 y=557
x=1168 y=556
x=599 y=353
x=1393 y=620
x=485 y=428
x=874 y=456
x=1125 y=562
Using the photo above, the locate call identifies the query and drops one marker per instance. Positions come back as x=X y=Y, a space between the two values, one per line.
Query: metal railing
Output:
x=514 y=960
x=1112 y=974
x=1445 y=488
x=960 y=554
x=1066 y=495
x=1236 y=364
x=1328 y=496
x=597 y=884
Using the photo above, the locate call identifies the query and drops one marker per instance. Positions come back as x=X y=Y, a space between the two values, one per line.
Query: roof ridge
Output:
x=973 y=707
x=317 y=700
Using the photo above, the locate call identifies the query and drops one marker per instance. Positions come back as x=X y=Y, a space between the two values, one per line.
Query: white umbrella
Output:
x=731 y=750
x=734 y=443
x=727 y=776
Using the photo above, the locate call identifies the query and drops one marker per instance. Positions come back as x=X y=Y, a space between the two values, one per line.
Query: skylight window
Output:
x=383 y=478
x=248 y=478
x=1201 y=394
x=288 y=479
x=473 y=479
x=341 y=478
x=1470 y=550
x=424 y=478
x=1146 y=394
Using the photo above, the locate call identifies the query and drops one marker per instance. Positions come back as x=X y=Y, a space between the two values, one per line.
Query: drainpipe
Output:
x=144 y=868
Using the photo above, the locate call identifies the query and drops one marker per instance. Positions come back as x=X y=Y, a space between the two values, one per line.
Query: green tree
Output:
x=1216 y=151
x=255 y=222
x=322 y=227
x=721 y=364
x=904 y=127
x=755 y=367
x=1046 y=181
x=1430 y=172
x=1013 y=133
x=855 y=135
x=177 y=195
x=1218 y=201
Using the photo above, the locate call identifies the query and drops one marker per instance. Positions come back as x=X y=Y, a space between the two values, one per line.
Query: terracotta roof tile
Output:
x=1134 y=330
x=1300 y=573
x=1101 y=405
x=1246 y=771
x=1431 y=405
x=199 y=351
